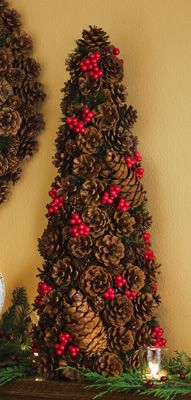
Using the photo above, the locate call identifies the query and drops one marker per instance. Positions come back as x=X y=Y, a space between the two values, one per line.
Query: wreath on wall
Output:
x=20 y=97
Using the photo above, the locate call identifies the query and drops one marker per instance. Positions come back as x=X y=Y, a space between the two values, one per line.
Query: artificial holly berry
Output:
x=149 y=384
x=56 y=203
x=120 y=281
x=90 y=65
x=115 y=51
x=109 y=294
x=163 y=378
x=130 y=294
x=146 y=237
x=74 y=350
x=181 y=375
x=44 y=289
x=87 y=115
x=149 y=254
x=78 y=227
x=123 y=205
x=10 y=337
x=139 y=172
x=154 y=287
x=38 y=300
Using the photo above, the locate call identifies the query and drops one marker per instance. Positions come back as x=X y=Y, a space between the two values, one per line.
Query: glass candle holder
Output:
x=154 y=363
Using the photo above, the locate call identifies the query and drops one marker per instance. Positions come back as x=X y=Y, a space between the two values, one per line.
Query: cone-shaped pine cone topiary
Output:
x=98 y=295
x=18 y=89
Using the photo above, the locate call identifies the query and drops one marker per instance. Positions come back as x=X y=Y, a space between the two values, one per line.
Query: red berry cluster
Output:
x=120 y=281
x=132 y=161
x=147 y=237
x=109 y=294
x=113 y=193
x=123 y=205
x=64 y=339
x=74 y=350
x=75 y=125
x=149 y=254
x=87 y=114
x=90 y=65
x=157 y=334
x=78 y=228
x=56 y=203
x=44 y=289
x=154 y=287
x=115 y=51
x=130 y=294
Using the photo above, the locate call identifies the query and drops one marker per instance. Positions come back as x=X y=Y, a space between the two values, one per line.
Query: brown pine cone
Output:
x=134 y=324
x=5 y=90
x=14 y=102
x=95 y=280
x=20 y=42
x=50 y=335
x=129 y=116
x=63 y=272
x=4 y=190
x=89 y=85
x=5 y=60
x=119 y=139
x=69 y=373
x=11 y=19
x=51 y=243
x=143 y=219
x=64 y=156
x=3 y=164
x=122 y=224
x=113 y=70
x=51 y=304
x=118 y=311
x=106 y=116
x=86 y=166
x=27 y=147
x=31 y=92
x=45 y=364
x=3 y=4
x=97 y=219
x=145 y=306
x=109 y=250
x=92 y=191
x=135 y=277
x=144 y=336
x=80 y=246
x=115 y=269
x=134 y=360
x=90 y=141
x=10 y=121
x=120 y=339
x=30 y=66
x=151 y=269
x=93 y=39
x=66 y=186
x=114 y=171
x=11 y=152
x=15 y=76
x=84 y=324
x=119 y=94
x=98 y=304
x=108 y=364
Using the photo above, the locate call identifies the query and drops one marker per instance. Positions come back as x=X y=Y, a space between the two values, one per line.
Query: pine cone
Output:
x=89 y=85
x=134 y=360
x=129 y=116
x=65 y=186
x=135 y=277
x=113 y=70
x=11 y=19
x=151 y=269
x=118 y=311
x=96 y=219
x=30 y=66
x=119 y=94
x=114 y=170
x=143 y=219
x=120 y=139
x=11 y=153
x=109 y=364
x=64 y=157
x=31 y=92
x=27 y=147
x=115 y=269
x=51 y=243
x=10 y=121
x=80 y=246
x=5 y=90
x=93 y=39
x=98 y=304
x=4 y=190
x=51 y=304
x=69 y=373
x=106 y=116
x=45 y=365
x=109 y=250
x=15 y=76
x=20 y=42
x=86 y=166
x=3 y=164
x=5 y=60
x=91 y=192
x=134 y=324
x=50 y=335
x=63 y=273
x=95 y=280
x=90 y=141
x=145 y=306
x=84 y=324
x=122 y=224
x=3 y=4
x=120 y=339
x=144 y=336
x=14 y=102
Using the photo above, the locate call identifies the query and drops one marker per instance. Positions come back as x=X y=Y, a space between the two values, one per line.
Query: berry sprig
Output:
x=147 y=237
x=157 y=334
x=109 y=294
x=75 y=125
x=120 y=281
x=133 y=161
x=130 y=294
x=64 y=339
x=123 y=205
x=56 y=203
x=87 y=114
x=113 y=193
x=74 y=350
x=44 y=289
x=90 y=65
x=78 y=228
x=149 y=254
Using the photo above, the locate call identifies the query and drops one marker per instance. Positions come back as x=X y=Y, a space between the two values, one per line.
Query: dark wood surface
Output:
x=30 y=389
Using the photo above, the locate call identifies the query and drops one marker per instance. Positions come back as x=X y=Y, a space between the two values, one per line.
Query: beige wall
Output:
x=155 y=41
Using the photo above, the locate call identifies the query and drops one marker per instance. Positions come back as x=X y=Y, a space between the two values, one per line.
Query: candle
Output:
x=154 y=363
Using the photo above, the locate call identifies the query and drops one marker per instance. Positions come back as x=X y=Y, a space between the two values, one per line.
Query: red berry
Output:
x=163 y=378
x=149 y=384
x=106 y=295
x=110 y=201
x=181 y=375
x=58 y=352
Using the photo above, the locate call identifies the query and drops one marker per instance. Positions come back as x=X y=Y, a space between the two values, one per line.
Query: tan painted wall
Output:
x=155 y=41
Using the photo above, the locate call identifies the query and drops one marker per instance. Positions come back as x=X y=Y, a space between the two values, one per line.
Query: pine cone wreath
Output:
x=84 y=324
x=119 y=139
x=109 y=364
x=144 y=336
x=63 y=273
x=63 y=157
x=97 y=219
x=10 y=121
x=90 y=141
x=95 y=280
x=122 y=224
x=80 y=246
x=120 y=339
x=135 y=277
x=98 y=304
x=145 y=306
x=106 y=116
x=3 y=165
x=86 y=166
x=118 y=311
x=109 y=250
x=91 y=192
x=93 y=39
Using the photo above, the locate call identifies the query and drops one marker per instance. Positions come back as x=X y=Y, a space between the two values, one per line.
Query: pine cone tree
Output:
x=135 y=277
x=69 y=373
x=85 y=326
x=90 y=141
x=96 y=219
x=93 y=39
x=122 y=224
x=95 y=280
x=86 y=166
x=3 y=164
x=109 y=250
x=118 y=311
x=151 y=269
x=120 y=339
x=91 y=192
x=63 y=272
x=143 y=219
x=10 y=121
x=145 y=306
x=109 y=364
x=11 y=153
x=80 y=246
x=106 y=116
